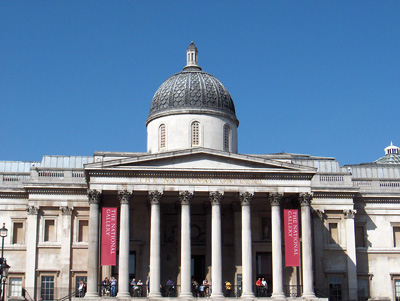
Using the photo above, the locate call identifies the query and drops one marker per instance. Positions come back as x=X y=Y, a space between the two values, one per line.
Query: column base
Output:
x=91 y=295
x=217 y=295
x=278 y=296
x=154 y=295
x=248 y=295
x=123 y=295
x=309 y=296
x=186 y=296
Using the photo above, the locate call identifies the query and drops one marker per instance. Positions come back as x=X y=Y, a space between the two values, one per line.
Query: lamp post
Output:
x=3 y=234
x=3 y=263
x=4 y=274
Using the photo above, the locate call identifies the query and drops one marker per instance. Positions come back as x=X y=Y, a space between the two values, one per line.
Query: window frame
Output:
x=9 y=289
x=395 y=226
x=192 y=133
x=162 y=136
x=43 y=229
x=13 y=222
x=227 y=138
x=46 y=274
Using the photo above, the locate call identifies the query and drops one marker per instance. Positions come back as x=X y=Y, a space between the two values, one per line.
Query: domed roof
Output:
x=391 y=155
x=192 y=91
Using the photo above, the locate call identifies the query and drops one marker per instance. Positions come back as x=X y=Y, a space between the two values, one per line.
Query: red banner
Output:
x=109 y=236
x=292 y=245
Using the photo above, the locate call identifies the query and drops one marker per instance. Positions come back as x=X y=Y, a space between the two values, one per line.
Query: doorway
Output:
x=198 y=268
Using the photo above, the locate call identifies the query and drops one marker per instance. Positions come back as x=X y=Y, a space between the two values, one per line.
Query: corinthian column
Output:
x=186 y=291
x=305 y=201
x=93 y=248
x=155 y=197
x=245 y=199
x=216 y=248
x=277 y=269
x=123 y=277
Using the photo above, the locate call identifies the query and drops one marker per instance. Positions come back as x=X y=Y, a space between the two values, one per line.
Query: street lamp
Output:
x=3 y=234
x=3 y=264
x=4 y=274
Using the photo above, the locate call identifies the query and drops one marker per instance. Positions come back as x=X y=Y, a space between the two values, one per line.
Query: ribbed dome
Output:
x=192 y=91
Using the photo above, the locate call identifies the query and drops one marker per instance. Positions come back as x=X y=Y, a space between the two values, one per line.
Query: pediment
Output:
x=200 y=160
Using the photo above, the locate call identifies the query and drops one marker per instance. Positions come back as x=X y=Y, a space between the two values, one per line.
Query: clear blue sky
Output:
x=311 y=77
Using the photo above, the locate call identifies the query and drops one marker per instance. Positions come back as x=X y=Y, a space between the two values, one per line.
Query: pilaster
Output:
x=349 y=216
x=32 y=223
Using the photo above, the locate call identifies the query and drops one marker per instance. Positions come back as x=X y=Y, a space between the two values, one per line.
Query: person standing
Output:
x=113 y=284
x=228 y=289
x=264 y=285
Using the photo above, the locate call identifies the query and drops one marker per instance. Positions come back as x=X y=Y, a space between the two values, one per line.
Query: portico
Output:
x=203 y=199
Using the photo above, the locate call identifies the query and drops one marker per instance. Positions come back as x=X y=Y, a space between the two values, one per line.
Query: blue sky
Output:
x=311 y=77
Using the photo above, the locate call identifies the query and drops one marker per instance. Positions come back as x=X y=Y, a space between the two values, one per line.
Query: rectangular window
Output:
x=396 y=236
x=49 y=230
x=18 y=233
x=360 y=237
x=334 y=233
x=335 y=288
x=80 y=288
x=47 y=288
x=15 y=284
x=397 y=289
x=83 y=234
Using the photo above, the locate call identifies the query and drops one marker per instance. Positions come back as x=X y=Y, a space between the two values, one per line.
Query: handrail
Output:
x=27 y=294
x=67 y=297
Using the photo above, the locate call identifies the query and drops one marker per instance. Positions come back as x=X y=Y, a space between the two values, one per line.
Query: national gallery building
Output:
x=192 y=208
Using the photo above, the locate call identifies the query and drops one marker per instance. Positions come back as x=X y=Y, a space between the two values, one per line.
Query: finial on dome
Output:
x=391 y=149
x=191 y=56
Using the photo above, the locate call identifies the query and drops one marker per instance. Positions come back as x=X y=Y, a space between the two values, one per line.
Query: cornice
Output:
x=223 y=174
x=58 y=191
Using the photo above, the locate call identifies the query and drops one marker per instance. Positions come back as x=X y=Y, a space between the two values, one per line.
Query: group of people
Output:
x=262 y=287
x=109 y=287
x=136 y=288
x=201 y=290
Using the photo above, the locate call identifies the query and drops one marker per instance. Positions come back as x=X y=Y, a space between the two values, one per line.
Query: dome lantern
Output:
x=191 y=57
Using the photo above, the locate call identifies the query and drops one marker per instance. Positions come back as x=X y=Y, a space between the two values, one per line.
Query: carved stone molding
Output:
x=32 y=210
x=305 y=199
x=216 y=197
x=124 y=196
x=66 y=210
x=350 y=213
x=155 y=197
x=245 y=198
x=185 y=197
x=94 y=196
x=275 y=198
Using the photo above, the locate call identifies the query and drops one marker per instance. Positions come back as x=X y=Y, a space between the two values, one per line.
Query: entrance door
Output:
x=264 y=270
x=198 y=268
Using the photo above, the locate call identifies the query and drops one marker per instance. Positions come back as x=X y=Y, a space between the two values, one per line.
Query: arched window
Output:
x=195 y=133
x=227 y=138
x=161 y=136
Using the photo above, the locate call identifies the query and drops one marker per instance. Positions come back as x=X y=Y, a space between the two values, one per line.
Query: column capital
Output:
x=185 y=197
x=155 y=197
x=216 y=197
x=305 y=199
x=94 y=196
x=124 y=196
x=66 y=210
x=32 y=210
x=245 y=198
x=275 y=198
x=350 y=214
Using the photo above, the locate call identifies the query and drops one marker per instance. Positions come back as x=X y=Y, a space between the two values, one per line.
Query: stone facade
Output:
x=190 y=212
